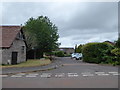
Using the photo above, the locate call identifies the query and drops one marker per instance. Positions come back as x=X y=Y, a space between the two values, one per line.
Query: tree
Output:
x=41 y=34
x=118 y=43
x=75 y=48
x=79 y=48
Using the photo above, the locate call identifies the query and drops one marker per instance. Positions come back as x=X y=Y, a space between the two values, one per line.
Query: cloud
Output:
x=77 y=22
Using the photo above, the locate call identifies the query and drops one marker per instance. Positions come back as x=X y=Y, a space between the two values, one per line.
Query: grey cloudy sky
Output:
x=78 y=22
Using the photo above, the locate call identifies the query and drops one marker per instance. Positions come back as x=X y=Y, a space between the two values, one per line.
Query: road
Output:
x=73 y=74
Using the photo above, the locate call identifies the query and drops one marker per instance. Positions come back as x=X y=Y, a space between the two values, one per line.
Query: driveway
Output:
x=73 y=74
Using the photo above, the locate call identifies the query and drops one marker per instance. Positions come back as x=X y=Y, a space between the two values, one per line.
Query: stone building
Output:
x=67 y=51
x=13 y=46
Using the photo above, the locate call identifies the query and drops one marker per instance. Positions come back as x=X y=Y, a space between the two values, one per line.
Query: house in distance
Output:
x=67 y=50
x=13 y=45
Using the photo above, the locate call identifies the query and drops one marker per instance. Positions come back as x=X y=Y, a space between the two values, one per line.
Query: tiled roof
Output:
x=8 y=34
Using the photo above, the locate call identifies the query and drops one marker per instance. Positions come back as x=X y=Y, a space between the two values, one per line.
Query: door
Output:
x=14 y=58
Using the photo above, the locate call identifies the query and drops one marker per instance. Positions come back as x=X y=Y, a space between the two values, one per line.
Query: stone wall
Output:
x=17 y=46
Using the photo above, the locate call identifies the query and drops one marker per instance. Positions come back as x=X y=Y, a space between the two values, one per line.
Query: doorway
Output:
x=14 y=58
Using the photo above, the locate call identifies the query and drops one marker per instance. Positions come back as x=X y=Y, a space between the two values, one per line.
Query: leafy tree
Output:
x=41 y=34
x=79 y=48
x=75 y=48
x=118 y=43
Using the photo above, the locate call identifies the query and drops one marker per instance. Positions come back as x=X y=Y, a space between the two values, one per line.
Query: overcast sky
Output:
x=78 y=22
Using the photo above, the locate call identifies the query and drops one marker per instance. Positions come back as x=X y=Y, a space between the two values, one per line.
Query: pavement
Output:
x=13 y=70
x=72 y=74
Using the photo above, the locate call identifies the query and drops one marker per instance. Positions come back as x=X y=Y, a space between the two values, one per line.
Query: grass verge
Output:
x=29 y=63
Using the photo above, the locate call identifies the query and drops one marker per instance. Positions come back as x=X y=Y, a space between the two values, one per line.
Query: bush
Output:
x=59 y=54
x=116 y=54
x=116 y=51
x=97 y=52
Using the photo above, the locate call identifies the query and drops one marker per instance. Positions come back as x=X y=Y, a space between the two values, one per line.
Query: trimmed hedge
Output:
x=97 y=52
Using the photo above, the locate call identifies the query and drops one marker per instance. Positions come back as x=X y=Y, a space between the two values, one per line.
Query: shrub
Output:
x=59 y=54
x=116 y=53
x=97 y=52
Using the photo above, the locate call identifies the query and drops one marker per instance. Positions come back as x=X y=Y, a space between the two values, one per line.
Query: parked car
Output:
x=77 y=56
x=73 y=55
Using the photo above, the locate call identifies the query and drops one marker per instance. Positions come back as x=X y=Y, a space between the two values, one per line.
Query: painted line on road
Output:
x=30 y=75
x=59 y=75
x=33 y=74
x=47 y=75
x=20 y=74
x=16 y=76
x=99 y=72
x=3 y=75
x=87 y=75
x=103 y=74
x=73 y=75
x=113 y=72
x=116 y=74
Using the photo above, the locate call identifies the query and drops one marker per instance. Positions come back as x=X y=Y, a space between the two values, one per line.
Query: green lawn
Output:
x=30 y=63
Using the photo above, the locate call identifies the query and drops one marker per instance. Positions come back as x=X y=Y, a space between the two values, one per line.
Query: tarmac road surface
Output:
x=73 y=74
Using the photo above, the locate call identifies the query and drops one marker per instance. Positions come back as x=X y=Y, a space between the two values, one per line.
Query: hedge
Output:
x=59 y=54
x=97 y=52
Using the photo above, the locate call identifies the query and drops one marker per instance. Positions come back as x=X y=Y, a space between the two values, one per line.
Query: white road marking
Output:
x=30 y=75
x=60 y=75
x=88 y=75
x=113 y=72
x=116 y=74
x=73 y=75
x=99 y=72
x=46 y=75
x=16 y=76
x=33 y=74
x=85 y=73
x=102 y=74
x=3 y=75
x=63 y=74
x=20 y=74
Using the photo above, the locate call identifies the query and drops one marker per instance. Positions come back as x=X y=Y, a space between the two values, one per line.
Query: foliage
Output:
x=75 y=48
x=59 y=54
x=79 y=48
x=116 y=51
x=97 y=52
x=116 y=55
x=118 y=43
x=41 y=34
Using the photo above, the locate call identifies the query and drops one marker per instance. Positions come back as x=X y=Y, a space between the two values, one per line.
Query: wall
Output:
x=16 y=47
